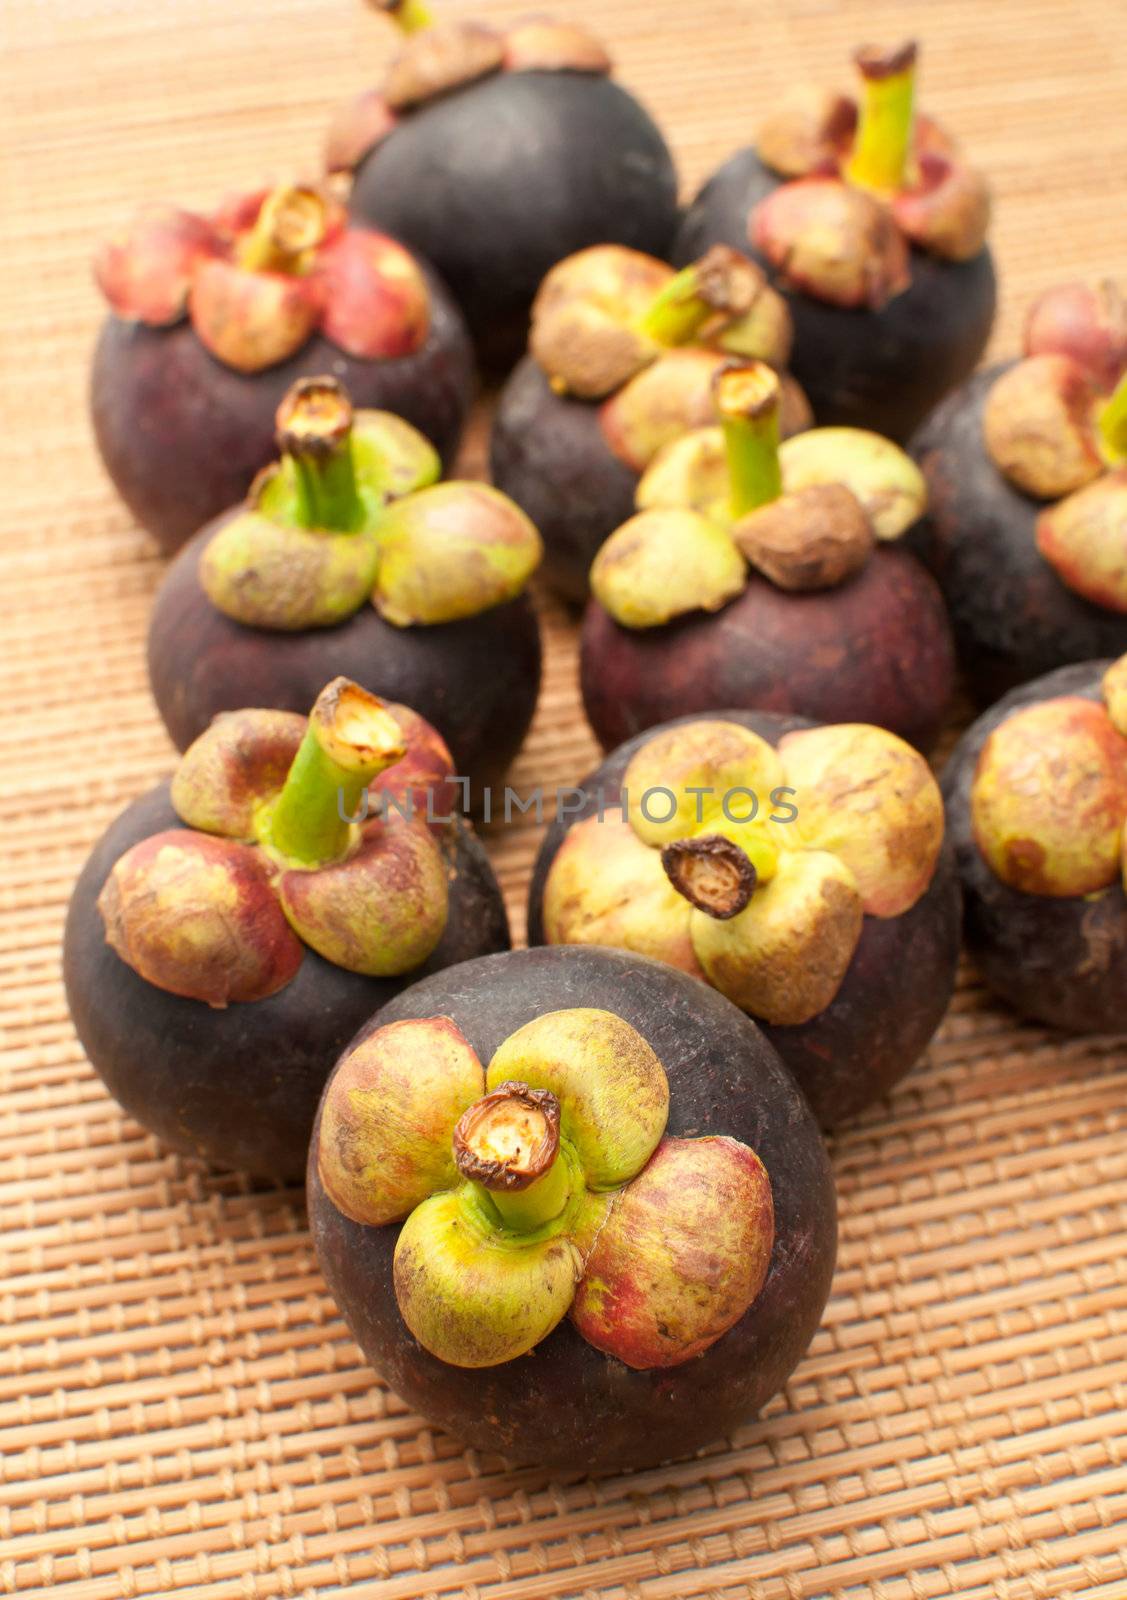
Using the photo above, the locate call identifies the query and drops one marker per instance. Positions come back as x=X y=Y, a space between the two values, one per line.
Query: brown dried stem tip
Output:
x=508 y=1142
x=509 y=1138
x=874 y=62
x=712 y=873
x=291 y=223
x=315 y=418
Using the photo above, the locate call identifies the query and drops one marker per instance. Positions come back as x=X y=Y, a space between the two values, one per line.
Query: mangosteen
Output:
x=1026 y=528
x=800 y=869
x=621 y=360
x=497 y=152
x=232 y=930
x=870 y=222
x=767 y=577
x=609 y=1234
x=212 y=319
x=1036 y=794
x=349 y=558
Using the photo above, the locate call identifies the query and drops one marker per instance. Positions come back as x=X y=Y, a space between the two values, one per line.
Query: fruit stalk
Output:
x=884 y=131
x=1113 y=423
x=721 y=285
x=290 y=223
x=509 y=1143
x=350 y=740
x=747 y=398
x=409 y=16
x=314 y=430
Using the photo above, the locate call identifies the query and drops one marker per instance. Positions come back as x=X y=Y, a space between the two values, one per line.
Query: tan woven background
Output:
x=181 y=1412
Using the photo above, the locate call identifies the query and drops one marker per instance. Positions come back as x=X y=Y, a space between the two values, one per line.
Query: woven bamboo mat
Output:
x=181 y=1411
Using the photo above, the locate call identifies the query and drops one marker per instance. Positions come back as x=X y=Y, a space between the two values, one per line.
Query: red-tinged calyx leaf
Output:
x=357 y=126
x=833 y=242
x=146 y=272
x=198 y=917
x=252 y=320
x=682 y=1256
x=376 y=301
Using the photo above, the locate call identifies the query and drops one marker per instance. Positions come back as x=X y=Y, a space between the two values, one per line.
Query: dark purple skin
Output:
x=239 y=1087
x=1058 y=961
x=497 y=181
x=894 y=994
x=876 y=648
x=548 y=453
x=476 y=680
x=182 y=435
x=881 y=369
x=566 y=1404
x=1013 y=618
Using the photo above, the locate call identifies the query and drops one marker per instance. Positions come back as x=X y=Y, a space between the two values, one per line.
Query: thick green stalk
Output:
x=747 y=398
x=508 y=1144
x=1113 y=423
x=884 y=132
x=290 y=223
x=314 y=430
x=350 y=740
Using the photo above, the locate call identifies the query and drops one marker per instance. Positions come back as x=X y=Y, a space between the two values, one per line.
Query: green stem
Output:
x=290 y=223
x=884 y=132
x=522 y=1210
x=410 y=16
x=719 y=284
x=314 y=430
x=508 y=1145
x=350 y=740
x=747 y=397
x=1113 y=423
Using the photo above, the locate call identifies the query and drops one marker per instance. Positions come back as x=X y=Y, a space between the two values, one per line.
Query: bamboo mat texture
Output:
x=181 y=1410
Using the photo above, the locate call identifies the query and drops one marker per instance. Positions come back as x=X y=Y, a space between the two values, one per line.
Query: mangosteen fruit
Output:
x=495 y=152
x=1026 y=526
x=621 y=360
x=572 y=1207
x=232 y=930
x=212 y=319
x=349 y=558
x=800 y=869
x=869 y=221
x=1036 y=794
x=767 y=576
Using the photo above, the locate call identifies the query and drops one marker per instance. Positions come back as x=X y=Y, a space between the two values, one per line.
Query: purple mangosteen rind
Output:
x=549 y=453
x=476 y=679
x=877 y=648
x=1057 y=960
x=497 y=180
x=239 y=1086
x=898 y=984
x=882 y=369
x=182 y=435
x=724 y=1080
x=1013 y=617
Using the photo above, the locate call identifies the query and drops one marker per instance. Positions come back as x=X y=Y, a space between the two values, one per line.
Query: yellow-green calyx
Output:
x=1055 y=425
x=1049 y=797
x=604 y=315
x=804 y=513
x=865 y=183
x=268 y=860
x=749 y=866
x=543 y=1186
x=353 y=513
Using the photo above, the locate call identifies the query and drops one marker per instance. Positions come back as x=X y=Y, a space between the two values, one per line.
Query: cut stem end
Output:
x=314 y=429
x=350 y=740
x=712 y=873
x=748 y=397
x=718 y=288
x=509 y=1143
x=885 y=128
x=291 y=223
